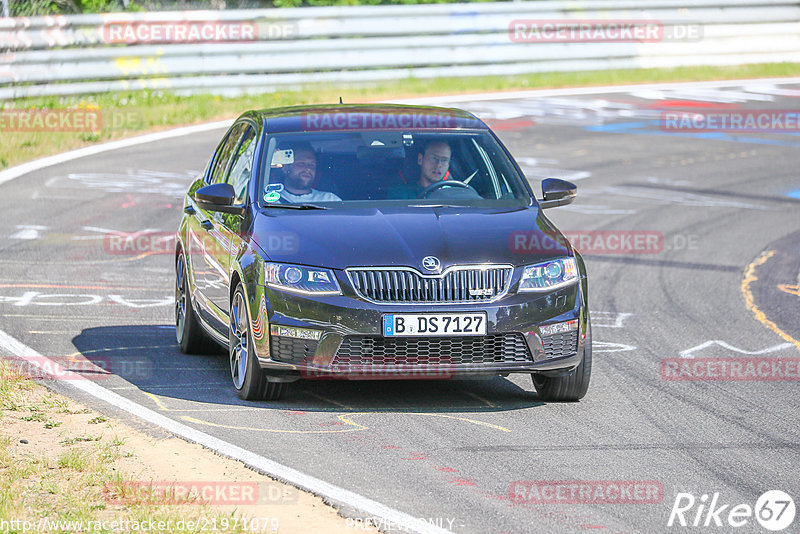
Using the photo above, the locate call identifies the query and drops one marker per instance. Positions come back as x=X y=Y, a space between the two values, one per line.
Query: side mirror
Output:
x=218 y=197
x=557 y=193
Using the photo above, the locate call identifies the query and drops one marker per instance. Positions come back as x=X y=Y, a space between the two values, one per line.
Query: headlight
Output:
x=299 y=279
x=549 y=275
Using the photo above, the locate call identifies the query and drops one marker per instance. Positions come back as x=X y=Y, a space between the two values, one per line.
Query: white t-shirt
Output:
x=314 y=196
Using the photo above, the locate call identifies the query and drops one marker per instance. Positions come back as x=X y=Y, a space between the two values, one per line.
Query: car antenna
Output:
x=340 y=100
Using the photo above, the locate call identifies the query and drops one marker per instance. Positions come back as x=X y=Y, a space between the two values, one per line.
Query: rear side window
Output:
x=242 y=165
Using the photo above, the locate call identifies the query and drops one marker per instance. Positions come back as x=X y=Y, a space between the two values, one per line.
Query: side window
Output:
x=242 y=168
x=223 y=154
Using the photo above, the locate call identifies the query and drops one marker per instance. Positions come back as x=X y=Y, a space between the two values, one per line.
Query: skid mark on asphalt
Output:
x=326 y=399
x=163 y=408
x=749 y=278
x=82 y=318
x=478 y=397
x=427 y=414
x=84 y=261
x=344 y=419
x=357 y=427
x=180 y=387
x=485 y=402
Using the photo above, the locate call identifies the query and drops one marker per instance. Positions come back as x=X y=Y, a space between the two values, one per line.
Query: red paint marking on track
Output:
x=131 y=202
x=390 y=447
x=446 y=469
x=416 y=456
x=509 y=124
x=462 y=482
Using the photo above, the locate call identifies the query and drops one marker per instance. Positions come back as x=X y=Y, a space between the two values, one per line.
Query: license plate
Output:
x=434 y=324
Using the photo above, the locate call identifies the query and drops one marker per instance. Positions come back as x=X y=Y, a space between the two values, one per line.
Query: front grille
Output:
x=560 y=345
x=380 y=351
x=292 y=350
x=405 y=285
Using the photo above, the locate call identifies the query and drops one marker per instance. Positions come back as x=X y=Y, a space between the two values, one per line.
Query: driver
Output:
x=434 y=164
x=298 y=178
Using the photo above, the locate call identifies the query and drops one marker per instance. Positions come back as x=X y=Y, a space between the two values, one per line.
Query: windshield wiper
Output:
x=297 y=206
x=435 y=206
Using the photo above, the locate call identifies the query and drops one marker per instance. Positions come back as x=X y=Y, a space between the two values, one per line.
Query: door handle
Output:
x=208 y=225
x=189 y=209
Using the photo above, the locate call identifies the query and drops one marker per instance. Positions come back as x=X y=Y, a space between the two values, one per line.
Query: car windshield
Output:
x=372 y=167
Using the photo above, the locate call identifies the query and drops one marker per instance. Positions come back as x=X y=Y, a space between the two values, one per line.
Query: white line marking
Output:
x=688 y=353
x=25 y=168
x=538 y=93
x=20 y=170
x=605 y=346
x=605 y=319
x=272 y=468
x=28 y=231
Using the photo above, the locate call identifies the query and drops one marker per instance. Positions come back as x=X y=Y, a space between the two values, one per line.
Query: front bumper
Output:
x=341 y=337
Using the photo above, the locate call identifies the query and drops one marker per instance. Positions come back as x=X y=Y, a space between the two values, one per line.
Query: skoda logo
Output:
x=431 y=263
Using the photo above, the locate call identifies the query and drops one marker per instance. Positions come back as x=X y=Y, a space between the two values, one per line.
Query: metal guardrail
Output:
x=276 y=48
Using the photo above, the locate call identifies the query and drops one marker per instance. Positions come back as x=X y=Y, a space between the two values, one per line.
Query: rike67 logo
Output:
x=774 y=510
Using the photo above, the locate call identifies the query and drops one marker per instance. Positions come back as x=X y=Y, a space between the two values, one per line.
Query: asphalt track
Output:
x=722 y=285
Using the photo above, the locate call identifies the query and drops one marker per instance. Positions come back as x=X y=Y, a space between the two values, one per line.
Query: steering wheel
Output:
x=443 y=183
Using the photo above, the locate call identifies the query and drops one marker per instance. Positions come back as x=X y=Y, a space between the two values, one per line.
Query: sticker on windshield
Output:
x=273 y=187
x=272 y=196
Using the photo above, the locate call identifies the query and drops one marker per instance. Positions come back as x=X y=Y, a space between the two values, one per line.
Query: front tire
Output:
x=572 y=387
x=248 y=378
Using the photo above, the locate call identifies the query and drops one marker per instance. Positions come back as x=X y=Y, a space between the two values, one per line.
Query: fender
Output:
x=248 y=260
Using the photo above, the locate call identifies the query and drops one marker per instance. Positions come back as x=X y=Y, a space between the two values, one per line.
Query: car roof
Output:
x=343 y=117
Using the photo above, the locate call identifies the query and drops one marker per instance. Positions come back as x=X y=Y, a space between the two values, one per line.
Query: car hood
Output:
x=351 y=237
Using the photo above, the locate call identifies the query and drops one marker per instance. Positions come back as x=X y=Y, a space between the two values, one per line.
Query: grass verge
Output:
x=65 y=468
x=125 y=114
x=67 y=479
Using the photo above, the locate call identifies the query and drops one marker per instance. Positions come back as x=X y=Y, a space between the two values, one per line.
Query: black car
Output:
x=378 y=242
